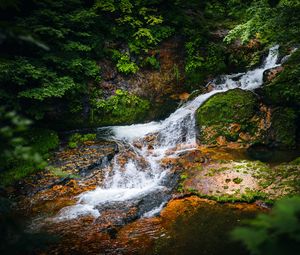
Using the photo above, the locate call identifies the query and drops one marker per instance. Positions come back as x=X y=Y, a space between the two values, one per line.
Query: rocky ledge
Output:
x=228 y=179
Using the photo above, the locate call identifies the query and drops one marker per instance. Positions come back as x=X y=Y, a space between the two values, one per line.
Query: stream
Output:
x=135 y=177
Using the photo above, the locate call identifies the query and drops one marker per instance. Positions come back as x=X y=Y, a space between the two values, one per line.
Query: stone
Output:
x=221 y=140
x=270 y=74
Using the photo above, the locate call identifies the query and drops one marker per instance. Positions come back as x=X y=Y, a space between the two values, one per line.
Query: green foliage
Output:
x=274 y=233
x=23 y=151
x=269 y=23
x=152 y=62
x=136 y=22
x=31 y=155
x=203 y=60
x=296 y=161
x=13 y=145
x=120 y=108
x=77 y=139
x=124 y=64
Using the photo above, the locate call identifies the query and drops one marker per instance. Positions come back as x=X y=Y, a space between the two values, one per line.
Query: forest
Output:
x=145 y=127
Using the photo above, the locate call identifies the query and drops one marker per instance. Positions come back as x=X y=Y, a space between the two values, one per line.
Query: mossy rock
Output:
x=284 y=127
x=233 y=106
x=285 y=88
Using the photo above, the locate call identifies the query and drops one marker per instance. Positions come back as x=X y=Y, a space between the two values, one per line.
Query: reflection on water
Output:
x=206 y=231
x=271 y=155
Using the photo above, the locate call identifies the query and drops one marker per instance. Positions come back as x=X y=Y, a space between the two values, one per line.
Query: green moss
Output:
x=234 y=106
x=249 y=196
x=122 y=108
x=77 y=139
x=295 y=161
x=60 y=173
x=183 y=177
x=284 y=126
x=218 y=112
x=285 y=88
x=237 y=180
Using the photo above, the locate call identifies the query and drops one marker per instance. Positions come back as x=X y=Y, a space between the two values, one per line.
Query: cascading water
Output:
x=141 y=176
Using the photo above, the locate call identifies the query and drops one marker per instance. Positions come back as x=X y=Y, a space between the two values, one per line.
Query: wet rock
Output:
x=245 y=136
x=270 y=74
x=66 y=168
x=248 y=181
x=86 y=158
x=221 y=140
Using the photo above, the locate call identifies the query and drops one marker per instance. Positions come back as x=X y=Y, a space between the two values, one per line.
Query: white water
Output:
x=143 y=174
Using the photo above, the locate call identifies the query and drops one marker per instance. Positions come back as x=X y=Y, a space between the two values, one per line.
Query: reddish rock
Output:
x=270 y=74
x=221 y=140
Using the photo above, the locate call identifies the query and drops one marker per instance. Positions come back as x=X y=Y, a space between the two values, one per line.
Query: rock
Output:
x=210 y=87
x=234 y=106
x=245 y=137
x=242 y=180
x=184 y=96
x=220 y=118
x=221 y=140
x=138 y=145
x=234 y=127
x=237 y=119
x=284 y=89
x=108 y=70
x=283 y=128
x=270 y=74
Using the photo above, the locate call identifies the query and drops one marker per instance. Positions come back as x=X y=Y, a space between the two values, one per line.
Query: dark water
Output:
x=205 y=232
x=271 y=155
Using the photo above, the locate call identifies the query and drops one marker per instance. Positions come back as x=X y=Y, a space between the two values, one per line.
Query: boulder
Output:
x=236 y=118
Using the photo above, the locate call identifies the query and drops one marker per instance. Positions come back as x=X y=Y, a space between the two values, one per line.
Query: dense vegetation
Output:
x=50 y=52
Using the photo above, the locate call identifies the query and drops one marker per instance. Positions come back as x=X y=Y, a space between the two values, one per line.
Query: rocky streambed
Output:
x=187 y=221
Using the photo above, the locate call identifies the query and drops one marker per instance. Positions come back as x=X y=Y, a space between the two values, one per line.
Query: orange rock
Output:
x=233 y=145
x=184 y=96
x=245 y=136
x=234 y=127
x=221 y=140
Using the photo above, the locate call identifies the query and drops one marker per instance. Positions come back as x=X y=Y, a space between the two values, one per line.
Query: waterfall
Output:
x=142 y=172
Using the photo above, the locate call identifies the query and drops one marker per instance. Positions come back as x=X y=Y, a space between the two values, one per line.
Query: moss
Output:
x=284 y=126
x=60 y=173
x=295 y=161
x=237 y=180
x=285 y=88
x=18 y=172
x=249 y=196
x=121 y=108
x=215 y=116
x=183 y=177
x=77 y=139
x=233 y=106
